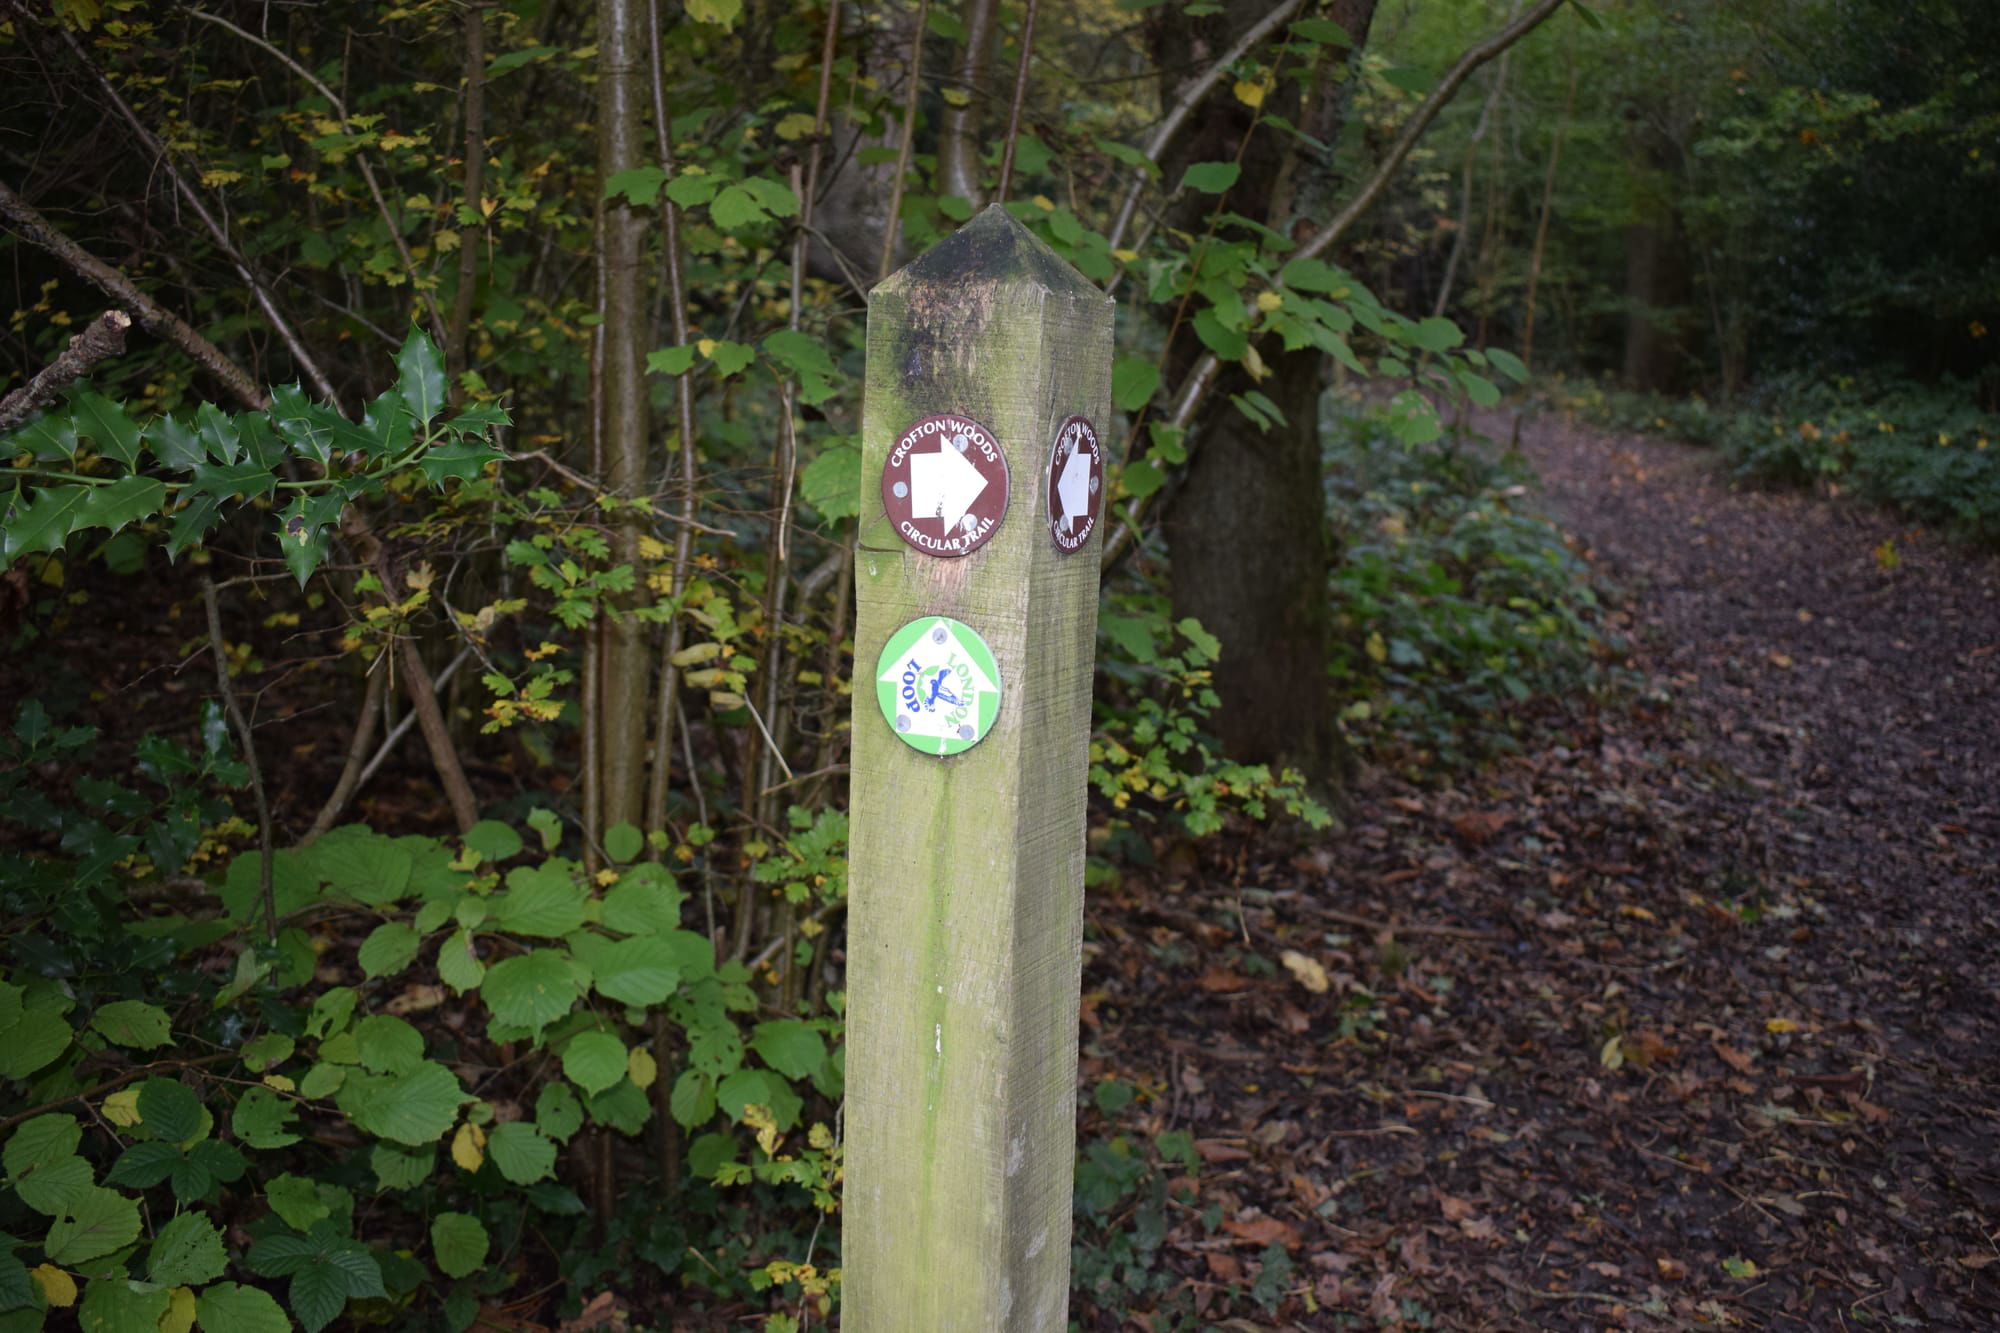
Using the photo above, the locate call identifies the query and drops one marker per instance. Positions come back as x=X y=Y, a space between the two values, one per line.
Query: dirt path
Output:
x=1690 y=1018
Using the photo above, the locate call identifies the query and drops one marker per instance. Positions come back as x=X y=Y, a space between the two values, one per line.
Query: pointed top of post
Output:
x=993 y=247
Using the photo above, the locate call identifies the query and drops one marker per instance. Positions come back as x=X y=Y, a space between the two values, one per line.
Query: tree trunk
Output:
x=1250 y=561
x=623 y=658
x=1247 y=532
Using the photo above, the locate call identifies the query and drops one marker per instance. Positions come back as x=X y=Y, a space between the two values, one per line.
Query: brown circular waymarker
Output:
x=945 y=485
x=1076 y=484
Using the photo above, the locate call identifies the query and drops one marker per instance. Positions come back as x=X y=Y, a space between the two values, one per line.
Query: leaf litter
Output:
x=1684 y=1017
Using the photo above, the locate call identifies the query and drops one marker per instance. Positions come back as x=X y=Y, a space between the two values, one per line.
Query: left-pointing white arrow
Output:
x=943 y=485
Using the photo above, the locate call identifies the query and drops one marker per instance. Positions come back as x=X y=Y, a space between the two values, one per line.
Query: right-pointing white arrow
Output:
x=943 y=485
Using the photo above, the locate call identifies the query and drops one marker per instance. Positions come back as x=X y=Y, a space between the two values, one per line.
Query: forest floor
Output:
x=1689 y=1017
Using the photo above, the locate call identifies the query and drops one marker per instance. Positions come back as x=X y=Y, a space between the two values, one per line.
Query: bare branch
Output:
x=893 y=227
x=1020 y=96
x=1191 y=97
x=153 y=318
x=102 y=339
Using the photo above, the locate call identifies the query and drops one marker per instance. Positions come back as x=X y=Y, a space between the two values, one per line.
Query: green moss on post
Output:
x=965 y=924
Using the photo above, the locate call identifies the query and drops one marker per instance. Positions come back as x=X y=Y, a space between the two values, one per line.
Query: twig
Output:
x=152 y=317
x=112 y=1084
x=408 y=720
x=892 y=226
x=248 y=742
x=1391 y=928
x=1027 y=40
x=351 y=774
x=101 y=340
x=1201 y=380
x=390 y=220
x=307 y=365
x=1191 y=97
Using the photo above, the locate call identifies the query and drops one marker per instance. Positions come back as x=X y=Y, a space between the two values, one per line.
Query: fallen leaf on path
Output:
x=1307 y=970
x=1263 y=1231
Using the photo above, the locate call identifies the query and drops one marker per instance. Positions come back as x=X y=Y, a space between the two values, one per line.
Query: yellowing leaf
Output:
x=1378 y=649
x=706 y=346
x=279 y=1083
x=1269 y=301
x=957 y=97
x=1124 y=256
x=1046 y=204
x=1636 y=912
x=122 y=1108
x=641 y=1068
x=651 y=548
x=1780 y=1025
x=1306 y=970
x=1612 y=1054
x=1250 y=94
x=179 y=1317
x=468 y=1146
x=795 y=126
x=1737 y=1266
x=58 y=1287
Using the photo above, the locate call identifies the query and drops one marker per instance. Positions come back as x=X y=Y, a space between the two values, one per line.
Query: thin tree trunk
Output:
x=1542 y=224
x=958 y=129
x=470 y=234
x=624 y=655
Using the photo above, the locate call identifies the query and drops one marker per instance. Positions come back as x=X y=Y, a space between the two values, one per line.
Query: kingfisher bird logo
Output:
x=938 y=685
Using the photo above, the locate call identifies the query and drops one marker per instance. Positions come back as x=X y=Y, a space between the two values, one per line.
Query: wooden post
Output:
x=965 y=921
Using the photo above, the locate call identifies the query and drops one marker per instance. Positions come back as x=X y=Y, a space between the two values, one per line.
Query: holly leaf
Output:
x=463 y=458
x=420 y=376
x=46 y=523
x=107 y=424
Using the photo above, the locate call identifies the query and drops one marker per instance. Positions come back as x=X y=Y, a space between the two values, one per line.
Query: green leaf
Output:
x=401 y=1168
x=1141 y=479
x=1227 y=343
x=1133 y=382
x=362 y=865
x=53 y=1188
x=1436 y=334
x=1508 y=364
x=49 y=436
x=730 y=358
x=541 y=900
x=188 y=1251
x=793 y=1048
x=512 y=60
x=46 y=523
x=132 y=1023
x=1410 y=78
x=320 y=1289
x=594 y=1060
x=672 y=360
x=493 y=840
x=693 y=1099
x=41 y=1141
x=1211 y=177
x=548 y=825
x=641 y=970
x=389 y=948
x=737 y=206
x=463 y=458
x=175 y=444
x=101 y=1221
x=32 y=1040
x=709 y=1153
x=119 y=1305
x=228 y=1307
x=126 y=500
x=532 y=990
x=759 y=1087
x=805 y=356
x=623 y=843
x=297 y=1201
x=105 y=422
x=721 y=12
x=420 y=376
x=831 y=483
x=519 y=1152
x=169 y=1109
x=1481 y=390
x=413 y=1109
x=1204 y=643
x=458 y=962
x=144 y=1165
x=460 y=1242
x=388 y=1045
x=1324 y=31
x=639 y=186
x=715 y=1050
x=558 y=1114
x=621 y=1106
x=191 y=522
x=262 y=1120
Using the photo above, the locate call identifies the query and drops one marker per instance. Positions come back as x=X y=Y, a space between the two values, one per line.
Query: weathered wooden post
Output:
x=989 y=360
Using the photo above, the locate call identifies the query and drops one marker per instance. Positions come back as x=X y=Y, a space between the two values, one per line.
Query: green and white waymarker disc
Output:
x=938 y=685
